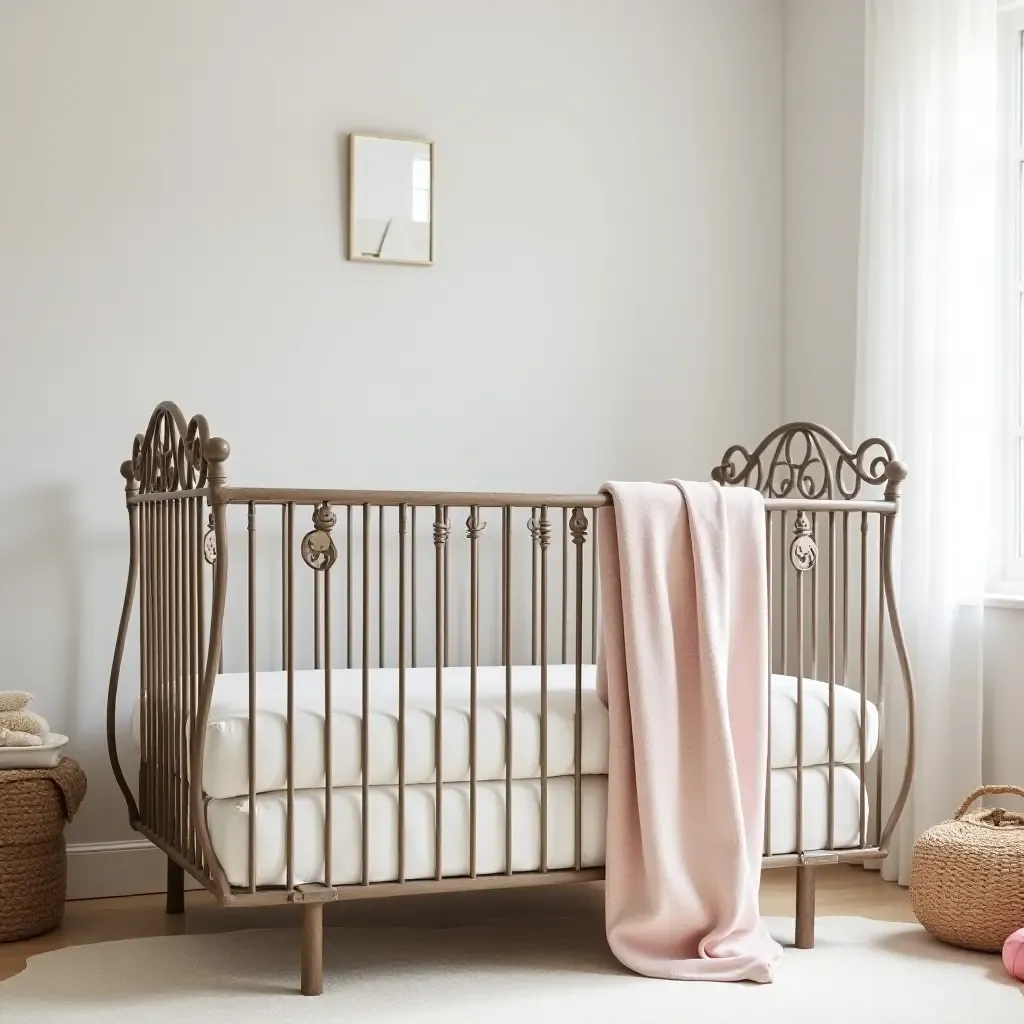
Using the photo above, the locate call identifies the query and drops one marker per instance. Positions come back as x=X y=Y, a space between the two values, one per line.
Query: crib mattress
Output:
x=228 y=821
x=225 y=770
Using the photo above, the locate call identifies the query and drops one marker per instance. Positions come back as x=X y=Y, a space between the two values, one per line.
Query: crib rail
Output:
x=356 y=581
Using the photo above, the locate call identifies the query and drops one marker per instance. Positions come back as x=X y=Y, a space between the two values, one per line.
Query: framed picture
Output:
x=390 y=199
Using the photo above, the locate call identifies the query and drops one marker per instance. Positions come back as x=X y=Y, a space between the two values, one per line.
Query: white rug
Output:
x=537 y=968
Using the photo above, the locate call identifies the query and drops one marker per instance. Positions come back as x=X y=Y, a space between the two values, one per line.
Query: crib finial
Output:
x=803 y=551
x=578 y=526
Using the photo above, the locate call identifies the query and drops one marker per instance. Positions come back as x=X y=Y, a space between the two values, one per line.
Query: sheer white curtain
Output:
x=925 y=350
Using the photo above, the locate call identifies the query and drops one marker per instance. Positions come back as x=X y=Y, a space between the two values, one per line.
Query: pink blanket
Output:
x=684 y=672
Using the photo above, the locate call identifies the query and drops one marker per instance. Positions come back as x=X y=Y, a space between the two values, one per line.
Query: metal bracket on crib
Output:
x=314 y=893
x=814 y=860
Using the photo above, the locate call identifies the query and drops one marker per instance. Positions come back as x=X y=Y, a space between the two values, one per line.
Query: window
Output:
x=421 y=190
x=1009 y=469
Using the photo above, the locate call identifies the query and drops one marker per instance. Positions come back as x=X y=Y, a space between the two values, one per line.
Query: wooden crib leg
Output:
x=805 y=907
x=175 y=887
x=312 y=949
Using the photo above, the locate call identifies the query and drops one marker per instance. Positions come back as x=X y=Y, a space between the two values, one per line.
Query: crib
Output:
x=349 y=694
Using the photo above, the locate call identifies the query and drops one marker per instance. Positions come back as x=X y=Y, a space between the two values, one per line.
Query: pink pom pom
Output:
x=1013 y=954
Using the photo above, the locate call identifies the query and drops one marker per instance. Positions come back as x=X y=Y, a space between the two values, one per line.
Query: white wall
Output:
x=824 y=111
x=606 y=301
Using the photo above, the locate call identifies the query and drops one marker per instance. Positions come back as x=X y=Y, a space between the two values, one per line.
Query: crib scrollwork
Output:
x=578 y=524
x=804 y=460
x=318 y=549
x=474 y=524
x=171 y=454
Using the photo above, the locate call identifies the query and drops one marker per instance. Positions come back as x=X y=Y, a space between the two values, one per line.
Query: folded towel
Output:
x=13 y=738
x=14 y=700
x=683 y=669
x=24 y=721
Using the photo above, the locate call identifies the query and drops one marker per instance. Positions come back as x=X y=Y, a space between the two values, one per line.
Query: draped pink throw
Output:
x=684 y=671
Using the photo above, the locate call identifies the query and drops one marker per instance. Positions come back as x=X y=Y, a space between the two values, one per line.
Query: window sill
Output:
x=1009 y=599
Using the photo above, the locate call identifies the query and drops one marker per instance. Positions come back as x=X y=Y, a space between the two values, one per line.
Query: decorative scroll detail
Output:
x=578 y=526
x=318 y=549
x=803 y=552
x=210 y=543
x=804 y=460
x=474 y=525
x=442 y=528
x=169 y=456
x=540 y=531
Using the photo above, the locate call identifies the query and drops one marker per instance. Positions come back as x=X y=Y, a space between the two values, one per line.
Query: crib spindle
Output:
x=412 y=587
x=289 y=613
x=565 y=583
x=506 y=653
x=579 y=537
x=448 y=525
x=440 y=614
x=203 y=652
x=862 y=788
x=348 y=585
x=364 y=746
x=783 y=595
x=801 y=529
x=328 y=731
x=544 y=534
x=164 y=671
x=830 y=820
x=814 y=603
x=317 y=629
x=594 y=574
x=251 y=581
x=381 y=632
x=190 y=568
x=768 y=773
x=403 y=512
x=473 y=529
x=145 y=675
x=885 y=524
x=532 y=525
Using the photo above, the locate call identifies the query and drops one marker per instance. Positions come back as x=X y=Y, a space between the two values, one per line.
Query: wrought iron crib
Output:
x=309 y=773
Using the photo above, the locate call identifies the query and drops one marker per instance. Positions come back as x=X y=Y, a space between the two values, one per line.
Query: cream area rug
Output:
x=546 y=962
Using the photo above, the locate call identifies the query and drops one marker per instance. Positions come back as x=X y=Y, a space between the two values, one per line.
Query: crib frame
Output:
x=178 y=501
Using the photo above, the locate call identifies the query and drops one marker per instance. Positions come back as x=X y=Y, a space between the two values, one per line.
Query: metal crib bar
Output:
x=830 y=826
x=862 y=791
x=177 y=716
x=284 y=587
x=579 y=537
x=412 y=586
x=364 y=751
x=328 y=732
x=164 y=671
x=800 y=520
x=506 y=654
x=193 y=672
x=348 y=582
x=446 y=661
x=252 y=696
x=380 y=588
x=535 y=551
x=440 y=613
x=565 y=583
x=784 y=596
x=814 y=602
x=594 y=572
x=316 y=621
x=403 y=512
x=289 y=563
x=885 y=524
x=544 y=532
x=202 y=653
x=473 y=528
x=145 y=654
x=768 y=773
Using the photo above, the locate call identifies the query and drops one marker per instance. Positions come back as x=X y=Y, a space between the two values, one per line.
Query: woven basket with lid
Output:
x=967 y=875
x=35 y=805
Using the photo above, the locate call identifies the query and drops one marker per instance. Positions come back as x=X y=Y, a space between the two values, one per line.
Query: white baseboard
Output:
x=117 y=869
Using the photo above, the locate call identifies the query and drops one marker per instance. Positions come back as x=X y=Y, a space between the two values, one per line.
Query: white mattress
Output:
x=228 y=820
x=225 y=772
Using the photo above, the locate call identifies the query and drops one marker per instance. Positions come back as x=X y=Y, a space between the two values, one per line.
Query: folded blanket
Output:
x=684 y=670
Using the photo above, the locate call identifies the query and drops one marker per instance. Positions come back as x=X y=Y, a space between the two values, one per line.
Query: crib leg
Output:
x=175 y=887
x=805 y=907
x=312 y=949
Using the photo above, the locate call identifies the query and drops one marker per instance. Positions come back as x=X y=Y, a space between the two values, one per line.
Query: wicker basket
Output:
x=35 y=805
x=967 y=875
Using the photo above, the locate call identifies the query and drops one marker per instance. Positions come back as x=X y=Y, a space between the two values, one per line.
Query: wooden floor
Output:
x=842 y=890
